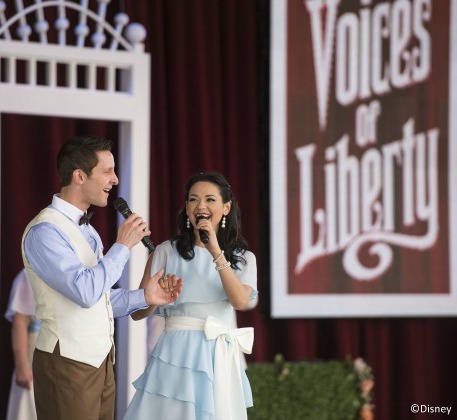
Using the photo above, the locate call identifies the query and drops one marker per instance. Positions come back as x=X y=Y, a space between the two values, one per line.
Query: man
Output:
x=72 y=279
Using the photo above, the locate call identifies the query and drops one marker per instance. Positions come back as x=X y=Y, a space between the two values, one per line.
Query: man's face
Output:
x=98 y=185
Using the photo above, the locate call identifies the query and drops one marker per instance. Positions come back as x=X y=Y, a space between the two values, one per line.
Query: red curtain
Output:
x=209 y=111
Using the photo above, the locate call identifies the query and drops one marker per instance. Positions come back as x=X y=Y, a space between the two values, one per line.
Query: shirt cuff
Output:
x=119 y=250
x=137 y=299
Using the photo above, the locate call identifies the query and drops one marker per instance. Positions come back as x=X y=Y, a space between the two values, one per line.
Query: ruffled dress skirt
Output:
x=178 y=382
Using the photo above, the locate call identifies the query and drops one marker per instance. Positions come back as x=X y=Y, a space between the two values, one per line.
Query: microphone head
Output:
x=122 y=207
x=203 y=233
x=119 y=202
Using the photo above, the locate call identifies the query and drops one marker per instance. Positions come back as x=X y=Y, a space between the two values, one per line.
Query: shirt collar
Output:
x=68 y=209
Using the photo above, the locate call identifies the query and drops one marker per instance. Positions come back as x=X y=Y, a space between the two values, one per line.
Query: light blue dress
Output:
x=178 y=381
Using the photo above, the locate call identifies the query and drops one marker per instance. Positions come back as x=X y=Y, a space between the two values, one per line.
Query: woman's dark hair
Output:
x=230 y=238
x=79 y=152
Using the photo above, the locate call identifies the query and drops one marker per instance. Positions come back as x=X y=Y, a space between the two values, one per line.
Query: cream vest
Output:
x=84 y=334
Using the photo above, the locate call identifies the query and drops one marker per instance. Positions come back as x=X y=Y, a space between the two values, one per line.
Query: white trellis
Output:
x=107 y=80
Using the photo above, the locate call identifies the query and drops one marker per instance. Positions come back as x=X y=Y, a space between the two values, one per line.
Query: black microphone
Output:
x=122 y=207
x=203 y=233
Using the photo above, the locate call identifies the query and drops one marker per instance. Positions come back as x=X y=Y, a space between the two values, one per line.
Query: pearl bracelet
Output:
x=221 y=267
x=219 y=257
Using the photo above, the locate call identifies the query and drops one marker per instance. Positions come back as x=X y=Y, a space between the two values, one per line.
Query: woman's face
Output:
x=206 y=200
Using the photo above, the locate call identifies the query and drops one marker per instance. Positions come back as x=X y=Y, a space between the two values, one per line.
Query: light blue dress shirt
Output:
x=52 y=257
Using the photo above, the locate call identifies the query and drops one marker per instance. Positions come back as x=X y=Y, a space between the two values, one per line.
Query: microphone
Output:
x=122 y=207
x=203 y=233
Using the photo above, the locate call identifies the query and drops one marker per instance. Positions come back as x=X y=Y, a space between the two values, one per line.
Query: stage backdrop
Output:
x=362 y=151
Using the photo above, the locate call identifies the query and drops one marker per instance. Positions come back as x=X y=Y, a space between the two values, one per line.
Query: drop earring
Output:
x=188 y=223
x=223 y=222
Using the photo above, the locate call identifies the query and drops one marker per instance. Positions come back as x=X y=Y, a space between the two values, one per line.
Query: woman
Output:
x=194 y=371
x=24 y=331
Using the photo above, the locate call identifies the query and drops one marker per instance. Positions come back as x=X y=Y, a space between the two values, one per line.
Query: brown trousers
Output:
x=69 y=390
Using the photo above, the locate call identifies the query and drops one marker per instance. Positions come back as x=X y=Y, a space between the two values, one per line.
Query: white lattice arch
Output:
x=111 y=83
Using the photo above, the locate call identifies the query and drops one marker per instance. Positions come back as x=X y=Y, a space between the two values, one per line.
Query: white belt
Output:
x=228 y=389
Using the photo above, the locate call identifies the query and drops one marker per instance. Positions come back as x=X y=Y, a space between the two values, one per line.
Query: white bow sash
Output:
x=227 y=380
x=229 y=397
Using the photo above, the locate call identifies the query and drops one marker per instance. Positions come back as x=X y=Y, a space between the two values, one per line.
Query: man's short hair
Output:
x=80 y=152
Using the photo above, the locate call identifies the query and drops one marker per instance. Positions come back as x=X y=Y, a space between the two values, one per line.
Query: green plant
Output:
x=317 y=390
